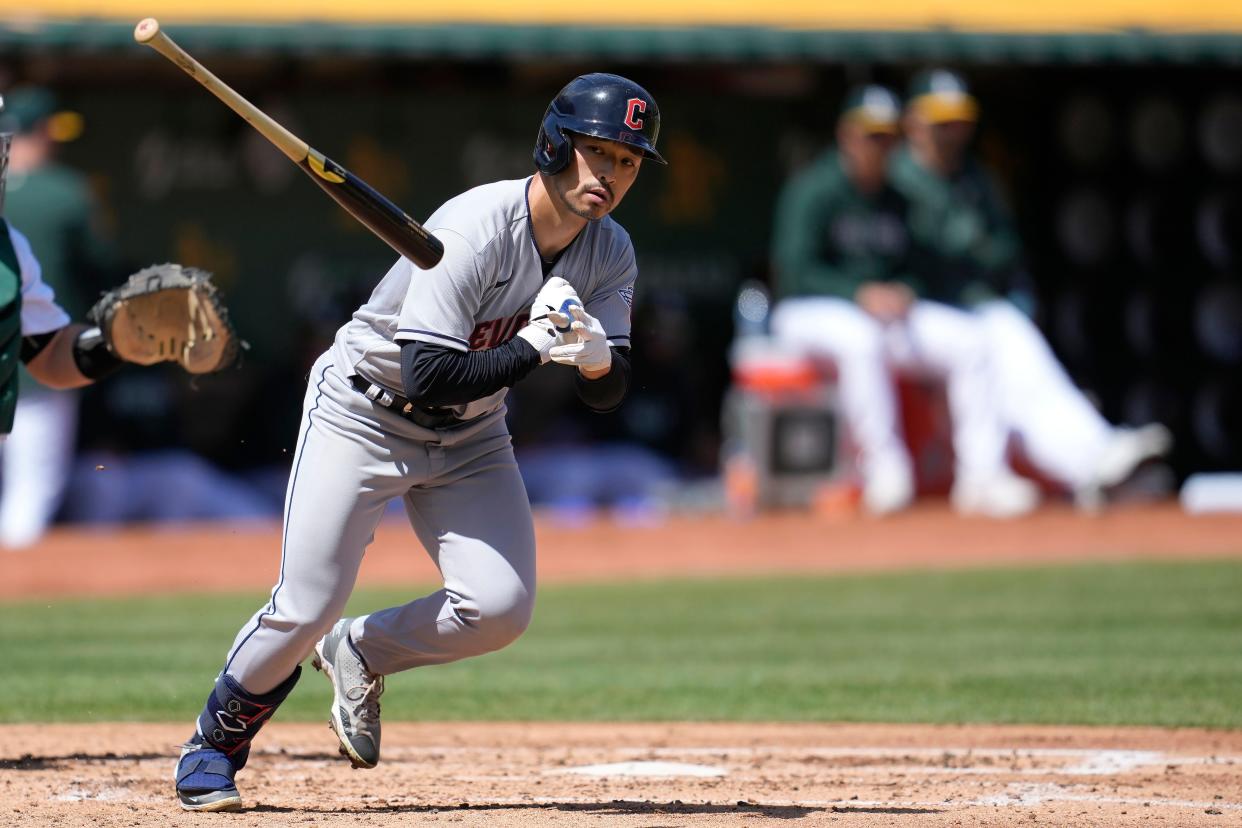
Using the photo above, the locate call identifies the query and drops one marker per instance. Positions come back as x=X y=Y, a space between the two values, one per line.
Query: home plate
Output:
x=645 y=769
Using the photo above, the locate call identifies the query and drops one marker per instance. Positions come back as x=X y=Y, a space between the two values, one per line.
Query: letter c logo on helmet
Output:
x=601 y=105
x=632 y=107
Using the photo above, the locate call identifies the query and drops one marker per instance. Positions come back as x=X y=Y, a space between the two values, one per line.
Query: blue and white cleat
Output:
x=204 y=778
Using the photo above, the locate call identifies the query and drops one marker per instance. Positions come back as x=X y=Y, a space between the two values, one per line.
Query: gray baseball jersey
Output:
x=480 y=293
x=461 y=487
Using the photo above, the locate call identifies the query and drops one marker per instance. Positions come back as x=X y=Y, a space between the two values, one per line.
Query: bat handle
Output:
x=565 y=311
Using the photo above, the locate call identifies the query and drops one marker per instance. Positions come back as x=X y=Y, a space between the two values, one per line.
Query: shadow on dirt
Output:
x=30 y=762
x=616 y=806
x=880 y=809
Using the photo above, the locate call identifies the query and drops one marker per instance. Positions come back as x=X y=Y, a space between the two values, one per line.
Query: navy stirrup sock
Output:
x=232 y=716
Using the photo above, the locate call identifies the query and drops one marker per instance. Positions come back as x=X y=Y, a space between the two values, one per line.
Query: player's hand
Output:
x=590 y=354
x=548 y=323
x=542 y=336
x=168 y=313
x=552 y=303
x=886 y=301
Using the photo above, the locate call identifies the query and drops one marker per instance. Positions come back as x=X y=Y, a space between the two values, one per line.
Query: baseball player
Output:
x=976 y=265
x=53 y=204
x=36 y=331
x=409 y=402
x=849 y=272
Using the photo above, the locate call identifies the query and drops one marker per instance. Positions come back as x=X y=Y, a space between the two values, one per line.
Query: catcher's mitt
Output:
x=168 y=313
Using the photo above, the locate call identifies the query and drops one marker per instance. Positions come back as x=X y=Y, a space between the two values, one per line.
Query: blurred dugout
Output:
x=1115 y=138
x=906 y=259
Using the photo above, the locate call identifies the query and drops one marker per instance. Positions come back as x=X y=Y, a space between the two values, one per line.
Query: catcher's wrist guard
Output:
x=91 y=355
x=168 y=313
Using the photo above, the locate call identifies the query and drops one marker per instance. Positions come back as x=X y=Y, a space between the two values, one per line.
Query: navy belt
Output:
x=427 y=416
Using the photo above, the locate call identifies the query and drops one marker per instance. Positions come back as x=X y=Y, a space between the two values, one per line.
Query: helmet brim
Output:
x=608 y=133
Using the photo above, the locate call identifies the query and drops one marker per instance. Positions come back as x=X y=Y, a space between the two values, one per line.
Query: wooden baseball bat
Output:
x=377 y=213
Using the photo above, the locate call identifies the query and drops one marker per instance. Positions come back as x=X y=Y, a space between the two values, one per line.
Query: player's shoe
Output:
x=204 y=778
x=1127 y=449
x=1004 y=495
x=888 y=488
x=356 y=692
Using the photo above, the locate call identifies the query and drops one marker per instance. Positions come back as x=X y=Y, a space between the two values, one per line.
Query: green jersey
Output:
x=54 y=209
x=830 y=238
x=10 y=327
x=973 y=251
x=27 y=308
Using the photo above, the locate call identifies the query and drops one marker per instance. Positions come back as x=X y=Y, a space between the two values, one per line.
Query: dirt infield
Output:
x=247 y=556
x=653 y=776
x=638 y=776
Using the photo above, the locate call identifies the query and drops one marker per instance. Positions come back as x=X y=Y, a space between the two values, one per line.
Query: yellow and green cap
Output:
x=27 y=107
x=873 y=107
x=939 y=96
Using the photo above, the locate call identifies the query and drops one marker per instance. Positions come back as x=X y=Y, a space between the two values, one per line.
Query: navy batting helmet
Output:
x=603 y=106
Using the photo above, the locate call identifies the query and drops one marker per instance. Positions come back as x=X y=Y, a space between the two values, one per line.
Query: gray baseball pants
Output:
x=465 y=501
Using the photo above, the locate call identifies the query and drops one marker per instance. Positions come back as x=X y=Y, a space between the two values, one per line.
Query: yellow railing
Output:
x=969 y=15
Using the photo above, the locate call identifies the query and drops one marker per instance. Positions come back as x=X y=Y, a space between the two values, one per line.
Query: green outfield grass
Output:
x=1118 y=644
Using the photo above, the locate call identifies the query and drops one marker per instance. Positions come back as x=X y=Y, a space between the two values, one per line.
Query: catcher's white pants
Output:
x=465 y=500
x=37 y=460
x=1000 y=374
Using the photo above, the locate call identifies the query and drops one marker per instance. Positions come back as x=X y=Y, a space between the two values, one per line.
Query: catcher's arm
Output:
x=164 y=313
x=68 y=358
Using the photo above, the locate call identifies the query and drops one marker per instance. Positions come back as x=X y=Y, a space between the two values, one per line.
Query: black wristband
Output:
x=34 y=344
x=91 y=355
x=606 y=393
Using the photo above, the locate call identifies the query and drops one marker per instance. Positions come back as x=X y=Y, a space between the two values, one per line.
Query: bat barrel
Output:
x=383 y=218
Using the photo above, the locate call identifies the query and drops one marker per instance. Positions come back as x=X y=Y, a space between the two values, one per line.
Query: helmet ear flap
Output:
x=552 y=146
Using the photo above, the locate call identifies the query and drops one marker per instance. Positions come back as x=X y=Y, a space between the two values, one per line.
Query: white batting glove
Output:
x=551 y=303
x=548 y=323
x=591 y=351
x=542 y=336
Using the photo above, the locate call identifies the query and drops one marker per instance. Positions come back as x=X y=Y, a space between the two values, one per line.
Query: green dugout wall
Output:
x=1119 y=149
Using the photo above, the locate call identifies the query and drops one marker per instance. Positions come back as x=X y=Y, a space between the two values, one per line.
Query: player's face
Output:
x=942 y=144
x=952 y=137
x=866 y=153
x=598 y=177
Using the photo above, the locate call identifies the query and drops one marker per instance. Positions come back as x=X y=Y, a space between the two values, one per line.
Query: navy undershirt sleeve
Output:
x=439 y=375
x=607 y=392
